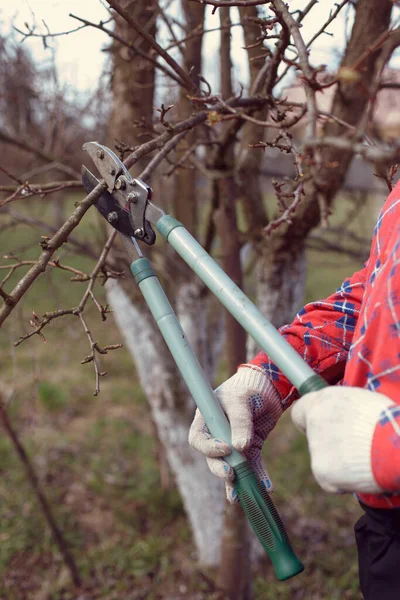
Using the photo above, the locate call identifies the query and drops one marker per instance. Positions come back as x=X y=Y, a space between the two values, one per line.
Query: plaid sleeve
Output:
x=374 y=360
x=321 y=333
x=385 y=451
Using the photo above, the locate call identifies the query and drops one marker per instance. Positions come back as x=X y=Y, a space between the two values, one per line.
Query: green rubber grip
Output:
x=254 y=499
x=266 y=522
x=312 y=384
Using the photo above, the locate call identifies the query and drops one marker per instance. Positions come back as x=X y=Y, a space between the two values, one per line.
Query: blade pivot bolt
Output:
x=139 y=233
x=112 y=217
x=120 y=184
x=100 y=153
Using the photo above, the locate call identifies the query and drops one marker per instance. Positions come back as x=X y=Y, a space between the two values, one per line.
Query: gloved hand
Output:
x=253 y=407
x=339 y=423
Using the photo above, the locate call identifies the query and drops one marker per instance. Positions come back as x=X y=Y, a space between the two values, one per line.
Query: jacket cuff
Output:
x=385 y=450
x=287 y=392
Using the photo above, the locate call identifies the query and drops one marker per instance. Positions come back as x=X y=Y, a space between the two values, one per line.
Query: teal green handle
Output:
x=239 y=305
x=255 y=501
x=266 y=522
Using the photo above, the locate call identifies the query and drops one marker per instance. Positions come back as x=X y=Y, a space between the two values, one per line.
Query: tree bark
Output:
x=281 y=267
x=172 y=408
x=184 y=203
x=234 y=574
x=133 y=82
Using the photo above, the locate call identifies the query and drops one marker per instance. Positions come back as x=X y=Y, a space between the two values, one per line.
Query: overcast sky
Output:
x=79 y=56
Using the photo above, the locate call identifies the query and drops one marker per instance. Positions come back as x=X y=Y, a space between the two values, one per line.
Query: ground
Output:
x=97 y=460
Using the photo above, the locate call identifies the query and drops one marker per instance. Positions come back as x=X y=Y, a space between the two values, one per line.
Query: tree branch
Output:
x=185 y=80
x=131 y=46
x=50 y=247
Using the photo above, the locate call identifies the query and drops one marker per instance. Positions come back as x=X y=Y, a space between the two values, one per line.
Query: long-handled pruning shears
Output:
x=128 y=208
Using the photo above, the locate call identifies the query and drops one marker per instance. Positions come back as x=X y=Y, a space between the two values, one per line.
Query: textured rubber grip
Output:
x=266 y=522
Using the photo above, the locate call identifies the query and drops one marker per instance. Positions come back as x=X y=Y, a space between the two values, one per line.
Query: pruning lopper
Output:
x=127 y=206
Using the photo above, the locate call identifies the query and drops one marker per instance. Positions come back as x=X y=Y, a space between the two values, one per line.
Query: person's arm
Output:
x=354 y=433
x=321 y=333
x=376 y=356
x=256 y=396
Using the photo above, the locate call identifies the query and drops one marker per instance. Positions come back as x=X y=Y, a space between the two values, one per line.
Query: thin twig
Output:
x=283 y=13
x=49 y=248
x=217 y=3
x=169 y=146
x=185 y=80
x=131 y=46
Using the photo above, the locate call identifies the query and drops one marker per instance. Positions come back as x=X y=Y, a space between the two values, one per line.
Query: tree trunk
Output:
x=234 y=576
x=281 y=269
x=133 y=82
x=280 y=284
x=171 y=406
x=172 y=410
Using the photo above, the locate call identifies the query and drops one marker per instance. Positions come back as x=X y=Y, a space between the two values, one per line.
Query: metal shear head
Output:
x=124 y=204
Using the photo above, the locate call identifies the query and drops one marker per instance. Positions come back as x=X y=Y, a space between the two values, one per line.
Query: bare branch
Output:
x=185 y=80
x=217 y=3
x=27 y=190
x=158 y=158
x=332 y=16
x=49 y=248
x=283 y=14
x=31 y=33
x=131 y=46
x=77 y=245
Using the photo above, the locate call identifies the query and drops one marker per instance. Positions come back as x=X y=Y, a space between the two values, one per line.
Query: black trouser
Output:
x=378 y=542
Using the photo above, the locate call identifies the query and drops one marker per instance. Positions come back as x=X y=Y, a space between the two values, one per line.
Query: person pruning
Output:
x=351 y=338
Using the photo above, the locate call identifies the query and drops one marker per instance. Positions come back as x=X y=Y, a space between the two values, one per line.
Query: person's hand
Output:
x=253 y=407
x=339 y=423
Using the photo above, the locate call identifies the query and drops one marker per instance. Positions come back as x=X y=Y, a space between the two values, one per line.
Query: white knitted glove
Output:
x=253 y=407
x=339 y=423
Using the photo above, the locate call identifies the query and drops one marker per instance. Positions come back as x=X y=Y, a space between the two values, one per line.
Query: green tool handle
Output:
x=254 y=499
x=238 y=304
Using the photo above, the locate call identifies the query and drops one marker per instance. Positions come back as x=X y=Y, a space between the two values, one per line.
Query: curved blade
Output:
x=107 y=205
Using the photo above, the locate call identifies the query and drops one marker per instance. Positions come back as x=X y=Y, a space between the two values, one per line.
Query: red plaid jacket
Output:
x=353 y=337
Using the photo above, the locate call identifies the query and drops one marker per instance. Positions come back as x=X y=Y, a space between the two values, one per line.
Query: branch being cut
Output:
x=158 y=158
x=50 y=248
x=61 y=236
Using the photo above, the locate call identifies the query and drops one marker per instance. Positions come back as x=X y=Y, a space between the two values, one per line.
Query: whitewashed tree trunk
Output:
x=279 y=285
x=172 y=410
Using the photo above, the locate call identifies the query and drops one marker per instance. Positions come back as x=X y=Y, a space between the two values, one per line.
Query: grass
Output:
x=97 y=460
